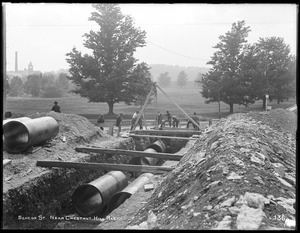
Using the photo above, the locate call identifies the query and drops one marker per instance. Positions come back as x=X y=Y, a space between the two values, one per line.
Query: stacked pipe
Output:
x=21 y=133
x=106 y=193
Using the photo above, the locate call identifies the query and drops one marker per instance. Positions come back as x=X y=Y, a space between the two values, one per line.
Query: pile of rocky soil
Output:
x=239 y=175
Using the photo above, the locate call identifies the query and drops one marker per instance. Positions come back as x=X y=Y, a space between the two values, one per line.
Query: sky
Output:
x=176 y=34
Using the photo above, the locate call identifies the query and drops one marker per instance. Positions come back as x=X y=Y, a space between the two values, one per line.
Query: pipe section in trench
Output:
x=157 y=146
x=103 y=195
x=119 y=197
x=91 y=199
x=23 y=133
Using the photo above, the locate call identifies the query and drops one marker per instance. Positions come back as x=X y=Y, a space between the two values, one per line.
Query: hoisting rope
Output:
x=146 y=102
x=191 y=119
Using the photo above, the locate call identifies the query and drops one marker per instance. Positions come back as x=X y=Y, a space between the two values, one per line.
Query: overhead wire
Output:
x=200 y=59
x=154 y=44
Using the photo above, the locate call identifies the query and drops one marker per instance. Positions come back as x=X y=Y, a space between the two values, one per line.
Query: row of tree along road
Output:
x=48 y=85
x=241 y=73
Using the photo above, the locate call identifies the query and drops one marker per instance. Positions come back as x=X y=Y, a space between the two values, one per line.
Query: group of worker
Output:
x=171 y=119
x=174 y=121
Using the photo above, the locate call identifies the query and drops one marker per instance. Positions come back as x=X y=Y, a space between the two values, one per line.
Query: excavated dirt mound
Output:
x=278 y=119
x=31 y=192
x=76 y=129
x=240 y=174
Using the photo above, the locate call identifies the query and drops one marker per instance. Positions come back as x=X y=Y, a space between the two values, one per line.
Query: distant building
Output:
x=21 y=73
x=30 y=68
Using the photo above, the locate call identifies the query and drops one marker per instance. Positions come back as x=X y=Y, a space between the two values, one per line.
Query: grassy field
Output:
x=188 y=99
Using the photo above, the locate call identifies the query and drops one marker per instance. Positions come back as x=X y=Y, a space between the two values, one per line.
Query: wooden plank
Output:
x=130 y=152
x=168 y=132
x=156 y=136
x=108 y=166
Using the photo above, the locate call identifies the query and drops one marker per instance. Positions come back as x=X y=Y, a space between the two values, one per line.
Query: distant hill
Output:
x=191 y=71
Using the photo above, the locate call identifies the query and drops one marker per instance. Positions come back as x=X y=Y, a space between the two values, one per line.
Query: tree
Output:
x=164 y=79
x=250 y=78
x=276 y=69
x=225 y=74
x=53 y=85
x=105 y=75
x=182 y=79
x=141 y=76
x=16 y=86
x=291 y=77
x=198 y=79
x=32 y=84
x=51 y=90
x=47 y=78
x=63 y=83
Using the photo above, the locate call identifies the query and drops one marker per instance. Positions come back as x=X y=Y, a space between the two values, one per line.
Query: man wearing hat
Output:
x=55 y=108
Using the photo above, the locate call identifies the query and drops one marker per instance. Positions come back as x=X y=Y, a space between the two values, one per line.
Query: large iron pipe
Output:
x=21 y=119
x=157 y=146
x=150 y=161
x=119 y=197
x=19 y=135
x=91 y=199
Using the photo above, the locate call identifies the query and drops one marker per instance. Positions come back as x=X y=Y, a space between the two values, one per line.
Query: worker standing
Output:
x=118 y=123
x=56 y=107
x=169 y=118
x=158 y=119
x=134 y=118
x=100 y=121
x=141 y=122
x=196 y=119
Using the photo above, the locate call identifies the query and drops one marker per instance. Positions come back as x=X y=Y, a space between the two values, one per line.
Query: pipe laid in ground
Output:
x=104 y=194
x=19 y=135
x=157 y=146
x=118 y=198
x=92 y=198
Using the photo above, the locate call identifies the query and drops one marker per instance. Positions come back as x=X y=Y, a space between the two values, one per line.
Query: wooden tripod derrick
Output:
x=153 y=88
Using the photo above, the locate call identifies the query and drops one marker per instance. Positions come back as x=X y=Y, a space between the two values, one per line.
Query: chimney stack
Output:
x=16 y=61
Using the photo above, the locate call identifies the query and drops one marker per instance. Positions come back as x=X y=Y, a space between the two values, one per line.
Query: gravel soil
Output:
x=243 y=161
